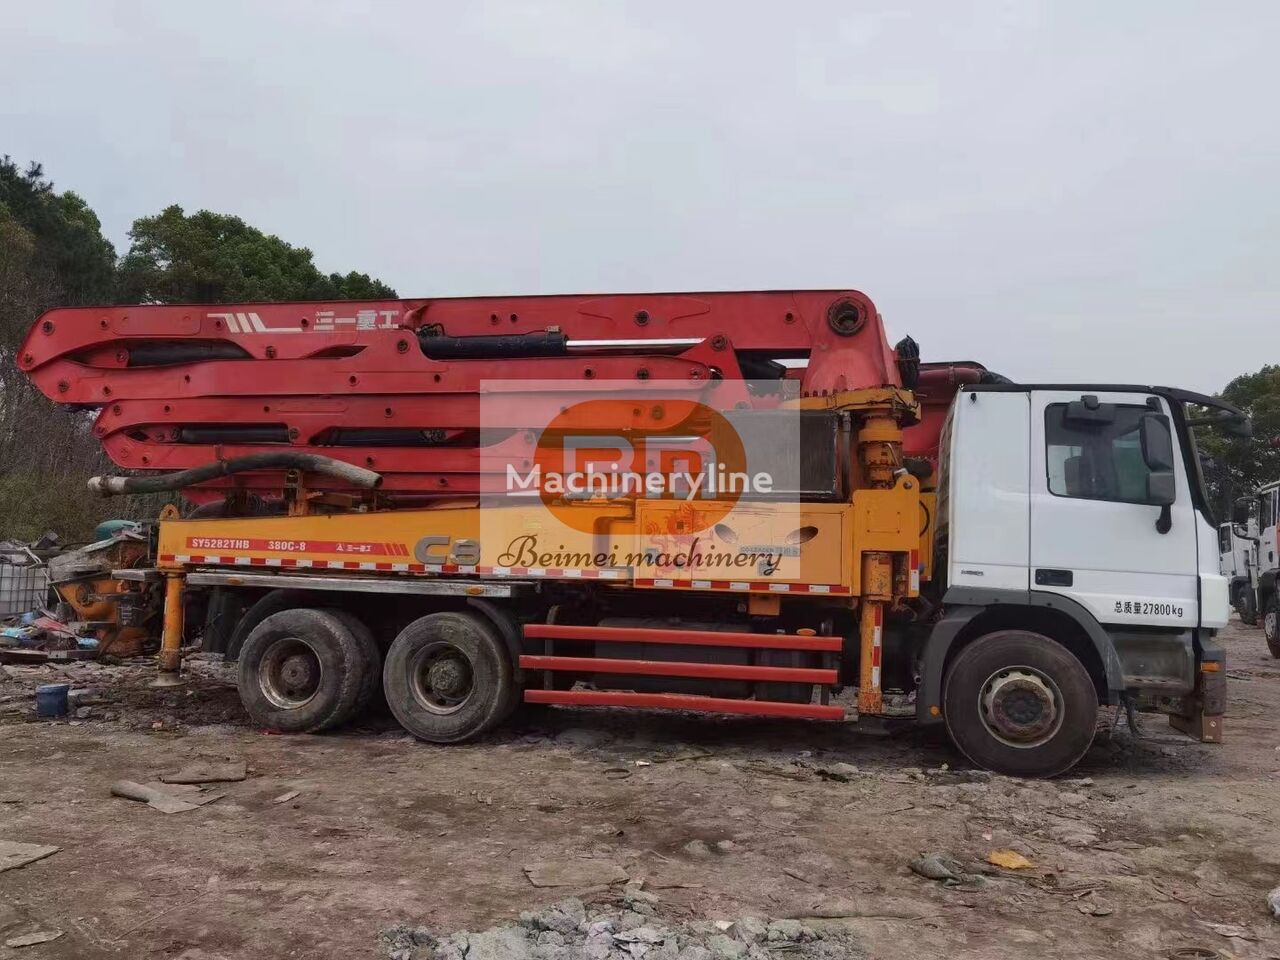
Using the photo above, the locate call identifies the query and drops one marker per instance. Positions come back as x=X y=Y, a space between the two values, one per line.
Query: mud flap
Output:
x=1202 y=710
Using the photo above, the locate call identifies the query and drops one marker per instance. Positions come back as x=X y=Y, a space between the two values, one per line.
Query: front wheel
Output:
x=1269 y=626
x=1020 y=703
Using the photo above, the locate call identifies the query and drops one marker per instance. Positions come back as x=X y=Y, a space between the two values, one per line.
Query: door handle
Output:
x=1054 y=578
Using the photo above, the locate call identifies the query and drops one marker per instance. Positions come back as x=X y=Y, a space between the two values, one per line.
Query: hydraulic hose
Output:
x=307 y=462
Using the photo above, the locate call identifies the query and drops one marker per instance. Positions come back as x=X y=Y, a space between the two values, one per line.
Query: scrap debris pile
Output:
x=568 y=931
x=26 y=622
x=39 y=630
x=65 y=604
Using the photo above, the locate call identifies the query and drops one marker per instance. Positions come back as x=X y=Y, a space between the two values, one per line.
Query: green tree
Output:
x=69 y=256
x=52 y=253
x=215 y=258
x=1237 y=466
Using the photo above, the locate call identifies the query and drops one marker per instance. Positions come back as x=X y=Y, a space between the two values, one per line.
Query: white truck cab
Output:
x=1238 y=561
x=1078 y=514
x=1268 y=560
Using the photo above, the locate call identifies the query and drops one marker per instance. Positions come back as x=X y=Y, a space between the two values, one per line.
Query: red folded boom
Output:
x=395 y=385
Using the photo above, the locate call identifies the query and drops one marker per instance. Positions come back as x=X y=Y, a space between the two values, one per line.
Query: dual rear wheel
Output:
x=447 y=677
x=305 y=670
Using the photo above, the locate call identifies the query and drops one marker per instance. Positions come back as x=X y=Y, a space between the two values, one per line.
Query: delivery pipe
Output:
x=307 y=462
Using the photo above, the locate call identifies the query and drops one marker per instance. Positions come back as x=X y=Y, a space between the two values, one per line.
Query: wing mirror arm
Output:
x=1156 y=436
x=1162 y=491
x=1241 y=511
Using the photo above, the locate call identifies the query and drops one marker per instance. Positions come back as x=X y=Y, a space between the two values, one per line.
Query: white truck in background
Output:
x=1238 y=562
x=1267 y=560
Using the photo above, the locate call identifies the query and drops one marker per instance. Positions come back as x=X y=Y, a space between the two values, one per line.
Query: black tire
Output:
x=509 y=633
x=302 y=671
x=448 y=677
x=266 y=605
x=1247 y=606
x=1271 y=626
x=371 y=690
x=1033 y=670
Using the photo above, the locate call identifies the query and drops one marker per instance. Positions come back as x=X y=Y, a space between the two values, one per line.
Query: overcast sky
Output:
x=1063 y=191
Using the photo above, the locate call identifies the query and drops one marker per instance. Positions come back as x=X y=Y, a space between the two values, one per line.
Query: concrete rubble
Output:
x=568 y=930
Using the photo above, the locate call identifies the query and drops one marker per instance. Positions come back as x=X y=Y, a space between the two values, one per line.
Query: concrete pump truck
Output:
x=736 y=503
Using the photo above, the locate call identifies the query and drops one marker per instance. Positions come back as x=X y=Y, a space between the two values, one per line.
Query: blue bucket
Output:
x=51 y=699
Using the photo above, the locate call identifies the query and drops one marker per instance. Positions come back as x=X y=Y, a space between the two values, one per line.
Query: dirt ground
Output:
x=1154 y=847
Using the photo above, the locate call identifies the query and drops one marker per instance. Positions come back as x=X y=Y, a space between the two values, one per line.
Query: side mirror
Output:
x=1156 y=436
x=1157 y=442
x=1240 y=511
x=1241 y=427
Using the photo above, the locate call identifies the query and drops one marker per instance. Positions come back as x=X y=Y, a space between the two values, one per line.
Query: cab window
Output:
x=1096 y=460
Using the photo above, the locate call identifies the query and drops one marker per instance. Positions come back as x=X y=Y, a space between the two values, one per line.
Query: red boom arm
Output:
x=394 y=385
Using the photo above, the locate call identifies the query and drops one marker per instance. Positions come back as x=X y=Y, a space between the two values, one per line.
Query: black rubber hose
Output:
x=494 y=346
x=283 y=460
x=990 y=376
x=164 y=352
x=235 y=434
x=908 y=352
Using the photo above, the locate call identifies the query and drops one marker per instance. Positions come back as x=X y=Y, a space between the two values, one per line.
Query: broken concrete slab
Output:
x=190 y=792
x=14 y=854
x=31 y=939
x=575 y=873
x=158 y=799
x=202 y=772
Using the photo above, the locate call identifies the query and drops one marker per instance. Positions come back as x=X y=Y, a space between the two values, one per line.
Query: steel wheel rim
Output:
x=290 y=673
x=1269 y=624
x=1021 y=707
x=441 y=678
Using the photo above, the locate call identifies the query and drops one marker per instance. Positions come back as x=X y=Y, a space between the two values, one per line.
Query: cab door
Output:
x=1112 y=521
x=1226 y=551
x=1268 y=525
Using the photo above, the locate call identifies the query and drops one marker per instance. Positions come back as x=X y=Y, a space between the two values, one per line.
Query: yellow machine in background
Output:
x=120 y=613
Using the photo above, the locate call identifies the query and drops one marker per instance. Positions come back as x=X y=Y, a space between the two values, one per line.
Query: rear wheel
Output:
x=448 y=677
x=1270 y=626
x=302 y=670
x=371 y=688
x=266 y=605
x=1020 y=703
x=1247 y=606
